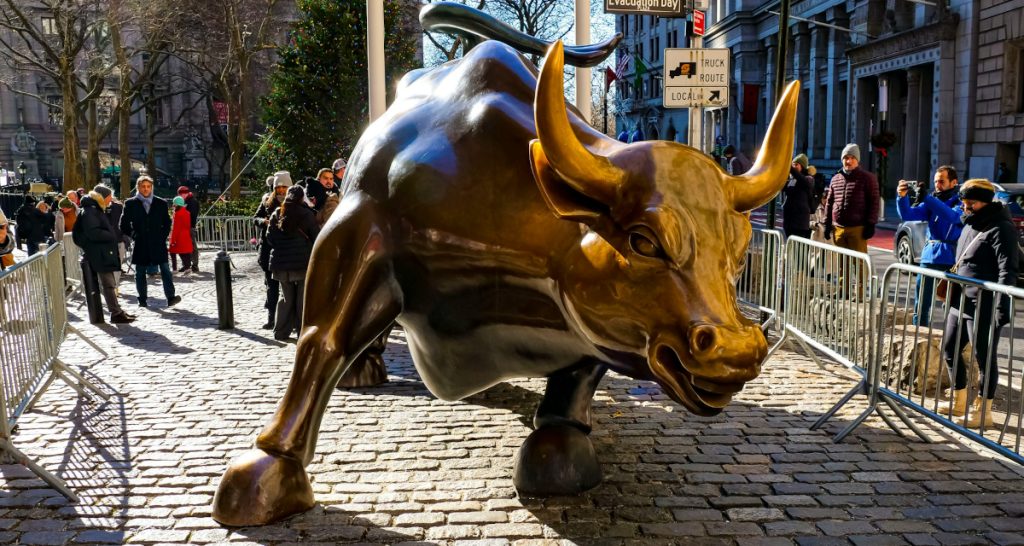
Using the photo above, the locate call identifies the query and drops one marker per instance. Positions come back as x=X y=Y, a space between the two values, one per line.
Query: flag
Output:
x=609 y=77
x=620 y=69
x=638 y=79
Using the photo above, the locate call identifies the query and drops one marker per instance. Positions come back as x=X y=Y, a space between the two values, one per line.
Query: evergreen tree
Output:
x=318 y=104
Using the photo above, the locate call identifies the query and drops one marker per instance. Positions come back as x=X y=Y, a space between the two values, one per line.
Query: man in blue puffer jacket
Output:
x=942 y=210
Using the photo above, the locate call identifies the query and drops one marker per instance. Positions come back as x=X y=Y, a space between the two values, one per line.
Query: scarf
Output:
x=146 y=201
x=945 y=196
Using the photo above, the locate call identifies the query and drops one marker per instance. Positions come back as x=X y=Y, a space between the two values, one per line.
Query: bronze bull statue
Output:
x=510 y=239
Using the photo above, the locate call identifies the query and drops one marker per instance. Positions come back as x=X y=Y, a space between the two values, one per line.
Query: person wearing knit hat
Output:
x=192 y=205
x=32 y=226
x=270 y=202
x=798 y=200
x=181 y=243
x=147 y=220
x=338 y=167
x=317 y=191
x=986 y=251
x=853 y=204
x=68 y=212
x=97 y=237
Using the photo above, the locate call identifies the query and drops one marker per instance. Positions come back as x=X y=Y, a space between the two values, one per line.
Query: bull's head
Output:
x=667 y=229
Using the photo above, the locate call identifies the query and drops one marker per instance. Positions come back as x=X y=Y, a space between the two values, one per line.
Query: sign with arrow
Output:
x=696 y=78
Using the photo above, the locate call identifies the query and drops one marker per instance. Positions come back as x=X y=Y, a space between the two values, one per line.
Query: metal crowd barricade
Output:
x=916 y=356
x=829 y=306
x=72 y=269
x=232 y=233
x=33 y=324
x=759 y=285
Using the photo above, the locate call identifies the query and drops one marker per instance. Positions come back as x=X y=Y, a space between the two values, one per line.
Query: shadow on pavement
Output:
x=134 y=336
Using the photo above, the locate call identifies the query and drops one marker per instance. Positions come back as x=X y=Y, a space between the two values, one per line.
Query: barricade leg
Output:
x=51 y=479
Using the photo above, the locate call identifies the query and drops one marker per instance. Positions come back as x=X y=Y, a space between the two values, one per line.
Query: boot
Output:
x=270 y=319
x=959 y=404
x=121 y=318
x=974 y=421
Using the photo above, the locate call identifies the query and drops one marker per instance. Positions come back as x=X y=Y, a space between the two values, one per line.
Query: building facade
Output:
x=928 y=83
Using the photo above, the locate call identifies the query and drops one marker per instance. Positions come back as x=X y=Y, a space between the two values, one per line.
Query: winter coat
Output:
x=97 y=237
x=181 y=232
x=993 y=257
x=114 y=211
x=291 y=237
x=150 y=230
x=318 y=194
x=32 y=224
x=192 y=204
x=796 y=210
x=268 y=205
x=6 y=246
x=943 y=216
x=853 y=199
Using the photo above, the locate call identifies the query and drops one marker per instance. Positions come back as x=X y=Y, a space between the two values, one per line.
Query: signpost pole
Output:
x=696 y=115
x=780 y=78
x=583 y=100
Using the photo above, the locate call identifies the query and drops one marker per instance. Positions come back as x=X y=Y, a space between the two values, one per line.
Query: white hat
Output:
x=282 y=178
x=339 y=164
x=270 y=181
x=3 y=218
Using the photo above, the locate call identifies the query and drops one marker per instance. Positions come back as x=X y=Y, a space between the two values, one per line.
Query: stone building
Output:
x=944 y=79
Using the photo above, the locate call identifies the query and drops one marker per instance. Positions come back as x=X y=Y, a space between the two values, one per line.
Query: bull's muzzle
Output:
x=710 y=366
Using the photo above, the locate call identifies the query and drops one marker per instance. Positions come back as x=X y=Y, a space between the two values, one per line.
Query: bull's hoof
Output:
x=368 y=371
x=259 y=488
x=556 y=460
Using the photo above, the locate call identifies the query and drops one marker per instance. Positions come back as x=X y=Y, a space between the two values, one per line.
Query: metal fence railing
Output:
x=759 y=283
x=232 y=233
x=33 y=323
x=72 y=269
x=918 y=357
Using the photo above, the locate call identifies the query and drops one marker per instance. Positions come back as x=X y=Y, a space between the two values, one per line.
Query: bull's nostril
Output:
x=703 y=339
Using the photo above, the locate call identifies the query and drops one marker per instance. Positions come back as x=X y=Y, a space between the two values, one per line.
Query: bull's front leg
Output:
x=368 y=370
x=558 y=458
x=351 y=298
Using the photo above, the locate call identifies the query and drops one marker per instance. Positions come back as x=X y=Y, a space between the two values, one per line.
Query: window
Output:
x=55 y=110
x=48 y=26
x=1013 y=77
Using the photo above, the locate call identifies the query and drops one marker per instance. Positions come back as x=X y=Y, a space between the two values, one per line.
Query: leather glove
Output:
x=869 y=231
x=829 y=230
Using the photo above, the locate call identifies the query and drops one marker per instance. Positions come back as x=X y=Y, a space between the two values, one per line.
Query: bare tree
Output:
x=55 y=48
x=230 y=45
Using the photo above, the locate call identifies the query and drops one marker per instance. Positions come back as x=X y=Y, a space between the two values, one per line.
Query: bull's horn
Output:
x=770 y=171
x=593 y=175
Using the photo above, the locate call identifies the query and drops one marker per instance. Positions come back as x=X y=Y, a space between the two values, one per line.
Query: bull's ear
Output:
x=561 y=198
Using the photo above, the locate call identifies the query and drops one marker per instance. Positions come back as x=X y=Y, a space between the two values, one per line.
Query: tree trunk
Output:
x=124 y=149
x=151 y=141
x=236 y=146
x=92 y=153
x=72 y=155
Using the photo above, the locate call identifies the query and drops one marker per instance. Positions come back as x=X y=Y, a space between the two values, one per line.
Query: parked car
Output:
x=910 y=237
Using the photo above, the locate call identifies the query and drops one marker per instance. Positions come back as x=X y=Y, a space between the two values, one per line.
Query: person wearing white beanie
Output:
x=852 y=208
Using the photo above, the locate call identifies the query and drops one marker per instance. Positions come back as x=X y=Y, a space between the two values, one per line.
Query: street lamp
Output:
x=22 y=169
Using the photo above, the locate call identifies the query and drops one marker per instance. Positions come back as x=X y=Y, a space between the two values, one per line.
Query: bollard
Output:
x=222 y=277
x=91 y=290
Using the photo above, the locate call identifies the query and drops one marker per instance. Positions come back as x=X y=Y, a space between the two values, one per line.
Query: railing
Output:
x=919 y=352
x=33 y=322
x=759 y=285
x=233 y=233
x=72 y=268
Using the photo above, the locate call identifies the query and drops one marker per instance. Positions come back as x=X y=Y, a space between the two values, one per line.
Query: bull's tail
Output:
x=475 y=26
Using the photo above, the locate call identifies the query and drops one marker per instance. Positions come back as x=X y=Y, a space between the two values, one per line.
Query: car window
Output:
x=1015 y=202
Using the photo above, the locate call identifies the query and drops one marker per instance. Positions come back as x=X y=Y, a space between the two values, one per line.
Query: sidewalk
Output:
x=396 y=466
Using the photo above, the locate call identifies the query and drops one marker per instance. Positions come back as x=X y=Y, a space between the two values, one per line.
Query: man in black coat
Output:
x=192 y=205
x=98 y=240
x=146 y=219
x=31 y=226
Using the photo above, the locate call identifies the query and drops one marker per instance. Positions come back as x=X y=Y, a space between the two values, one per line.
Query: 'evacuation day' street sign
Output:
x=696 y=78
x=661 y=8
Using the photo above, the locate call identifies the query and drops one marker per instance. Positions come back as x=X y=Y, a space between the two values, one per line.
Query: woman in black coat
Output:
x=98 y=240
x=292 y=231
x=279 y=184
x=987 y=251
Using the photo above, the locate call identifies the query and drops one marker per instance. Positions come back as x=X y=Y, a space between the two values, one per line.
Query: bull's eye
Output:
x=644 y=245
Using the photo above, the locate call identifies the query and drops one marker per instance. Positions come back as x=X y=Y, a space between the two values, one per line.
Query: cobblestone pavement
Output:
x=395 y=465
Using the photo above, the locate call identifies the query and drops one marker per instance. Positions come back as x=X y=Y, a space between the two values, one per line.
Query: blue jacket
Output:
x=944 y=226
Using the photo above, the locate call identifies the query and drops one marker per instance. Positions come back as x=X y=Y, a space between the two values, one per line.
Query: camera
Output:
x=917 y=190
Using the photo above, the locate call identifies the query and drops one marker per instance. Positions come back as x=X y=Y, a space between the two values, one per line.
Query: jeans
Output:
x=289 y=308
x=195 y=249
x=165 y=276
x=31 y=248
x=924 y=294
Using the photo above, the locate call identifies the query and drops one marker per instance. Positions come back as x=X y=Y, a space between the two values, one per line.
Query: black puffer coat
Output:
x=291 y=236
x=32 y=223
x=796 y=211
x=268 y=205
x=150 y=230
x=992 y=257
x=97 y=237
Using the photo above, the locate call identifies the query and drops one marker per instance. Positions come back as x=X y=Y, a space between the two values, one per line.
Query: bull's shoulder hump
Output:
x=489 y=67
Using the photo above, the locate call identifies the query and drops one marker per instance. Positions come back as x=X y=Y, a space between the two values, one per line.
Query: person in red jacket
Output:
x=181 y=236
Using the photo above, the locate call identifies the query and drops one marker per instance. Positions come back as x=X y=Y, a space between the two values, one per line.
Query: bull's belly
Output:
x=456 y=365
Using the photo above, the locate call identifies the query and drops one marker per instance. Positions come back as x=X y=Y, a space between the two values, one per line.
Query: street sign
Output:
x=660 y=8
x=696 y=78
x=698 y=22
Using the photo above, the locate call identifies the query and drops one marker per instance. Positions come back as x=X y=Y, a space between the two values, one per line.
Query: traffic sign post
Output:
x=698 y=22
x=696 y=78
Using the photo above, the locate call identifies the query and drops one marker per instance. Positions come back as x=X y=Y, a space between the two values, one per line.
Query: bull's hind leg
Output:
x=351 y=298
x=558 y=458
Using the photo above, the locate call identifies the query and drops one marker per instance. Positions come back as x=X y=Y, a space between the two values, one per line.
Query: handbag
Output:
x=942 y=289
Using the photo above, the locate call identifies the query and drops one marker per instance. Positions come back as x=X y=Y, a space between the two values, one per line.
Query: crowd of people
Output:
x=288 y=220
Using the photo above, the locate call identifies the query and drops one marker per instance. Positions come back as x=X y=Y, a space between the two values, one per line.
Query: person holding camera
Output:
x=942 y=210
